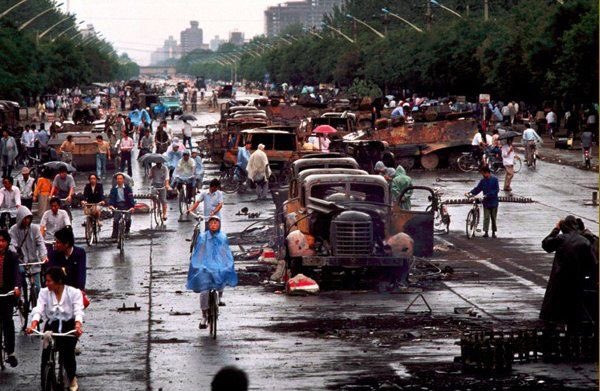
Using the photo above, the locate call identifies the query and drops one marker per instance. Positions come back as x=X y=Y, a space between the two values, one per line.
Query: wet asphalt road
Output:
x=160 y=346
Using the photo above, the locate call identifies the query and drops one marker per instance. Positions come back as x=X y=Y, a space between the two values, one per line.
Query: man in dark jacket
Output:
x=572 y=276
x=121 y=198
x=488 y=185
x=70 y=258
x=10 y=279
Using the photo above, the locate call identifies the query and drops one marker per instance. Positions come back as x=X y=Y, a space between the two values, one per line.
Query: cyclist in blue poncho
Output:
x=211 y=266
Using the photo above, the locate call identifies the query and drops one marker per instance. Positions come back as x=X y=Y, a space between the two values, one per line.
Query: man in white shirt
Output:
x=25 y=184
x=27 y=139
x=508 y=160
x=53 y=220
x=213 y=201
x=187 y=133
x=10 y=198
x=530 y=139
x=185 y=174
x=479 y=143
x=552 y=121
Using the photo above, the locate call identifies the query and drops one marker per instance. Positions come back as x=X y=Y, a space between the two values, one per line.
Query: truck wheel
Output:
x=430 y=161
x=406 y=162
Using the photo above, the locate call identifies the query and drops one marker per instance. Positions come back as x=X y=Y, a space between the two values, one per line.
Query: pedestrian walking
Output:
x=508 y=160
x=552 y=123
x=187 y=133
x=259 y=171
x=488 y=185
x=125 y=148
x=587 y=138
x=8 y=151
x=573 y=278
x=102 y=155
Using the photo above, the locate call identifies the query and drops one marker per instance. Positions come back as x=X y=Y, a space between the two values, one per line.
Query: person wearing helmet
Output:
x=211 y=266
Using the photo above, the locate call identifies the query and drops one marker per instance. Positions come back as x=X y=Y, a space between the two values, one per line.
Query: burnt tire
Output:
x=430 y=161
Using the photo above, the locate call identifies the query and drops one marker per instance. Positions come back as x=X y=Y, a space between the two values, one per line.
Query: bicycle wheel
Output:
x=465 y=163
x=23 y=313
x=182 y=199
x=2 y=365
x=213 y=313
x=228 y=182
x=49 y=382
x=89 y=231
x=96 y=230
x=121 y=237
x=471 y=224
x=157 y=212
x=518 y=164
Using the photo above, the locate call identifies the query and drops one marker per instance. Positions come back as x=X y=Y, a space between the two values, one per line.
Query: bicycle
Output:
x=2 y=352
x=157 y=207
x=53 y=377
x=473 y=218
x=441 y=216
x=531 y=154
x=466 y=162
x=92 y=225
x=198 y=228
x=121 y=228
x=28 y=299
x=233 y=178
x=213 y=312
x=66 y=206
x=184 y=195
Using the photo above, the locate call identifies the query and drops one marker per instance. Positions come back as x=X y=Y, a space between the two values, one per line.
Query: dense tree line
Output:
x=533 y=50
x=32 y=65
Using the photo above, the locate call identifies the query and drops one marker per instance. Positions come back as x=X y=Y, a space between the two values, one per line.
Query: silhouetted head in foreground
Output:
x=230 y=379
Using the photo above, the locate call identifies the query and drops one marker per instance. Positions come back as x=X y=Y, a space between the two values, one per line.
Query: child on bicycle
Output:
x=211 y=266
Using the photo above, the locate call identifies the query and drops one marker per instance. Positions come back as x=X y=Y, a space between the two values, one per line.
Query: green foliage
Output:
x=533 y=50
x=31 y=65
x=364 y=88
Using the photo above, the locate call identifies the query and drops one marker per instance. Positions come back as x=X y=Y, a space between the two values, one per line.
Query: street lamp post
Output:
x=12 y=8
x=66 y=31
x=434 y=2
x=44 y=12
x=388 y=12
x=339 y=32
x=53 y=26
x=310 y=31
x=379 y=34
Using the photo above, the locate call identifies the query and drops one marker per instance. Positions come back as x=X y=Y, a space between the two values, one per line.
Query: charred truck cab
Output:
x=340 y=219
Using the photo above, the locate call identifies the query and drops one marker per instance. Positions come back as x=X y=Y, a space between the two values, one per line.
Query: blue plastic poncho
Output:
x=211 y=264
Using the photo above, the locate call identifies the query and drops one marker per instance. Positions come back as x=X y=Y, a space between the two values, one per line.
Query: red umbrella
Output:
x=324 y=129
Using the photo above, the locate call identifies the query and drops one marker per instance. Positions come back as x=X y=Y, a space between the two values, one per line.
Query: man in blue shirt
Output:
x=490 y=188
x=243 y=157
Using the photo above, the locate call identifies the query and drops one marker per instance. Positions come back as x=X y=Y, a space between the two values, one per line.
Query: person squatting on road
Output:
x=488 y=185
x=211 y=266
x=61 y=306
x=572 y=292
x=259 y=171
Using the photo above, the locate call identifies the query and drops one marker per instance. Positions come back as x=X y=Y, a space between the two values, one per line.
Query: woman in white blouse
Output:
x=61 y=306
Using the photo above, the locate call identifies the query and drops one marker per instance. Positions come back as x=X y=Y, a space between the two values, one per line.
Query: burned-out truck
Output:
x=342 y=219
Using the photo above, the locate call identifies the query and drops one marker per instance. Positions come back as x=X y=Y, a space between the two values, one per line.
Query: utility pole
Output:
x=428 y=15
x=486 y=10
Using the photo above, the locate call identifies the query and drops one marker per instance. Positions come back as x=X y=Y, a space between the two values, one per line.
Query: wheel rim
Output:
x=470 y=224
x=88 y=231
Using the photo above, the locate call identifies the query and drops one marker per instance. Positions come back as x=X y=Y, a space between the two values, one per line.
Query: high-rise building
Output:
x=306 y=12
x=215 y=43
x=169 y=50
x=236 y=38
x=191 y=38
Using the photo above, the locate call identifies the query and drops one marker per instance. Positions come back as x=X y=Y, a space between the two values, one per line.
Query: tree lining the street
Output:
x=34 y=65
x=533 y=50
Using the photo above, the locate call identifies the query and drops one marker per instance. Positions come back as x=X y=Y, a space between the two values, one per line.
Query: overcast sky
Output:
x=140 y=26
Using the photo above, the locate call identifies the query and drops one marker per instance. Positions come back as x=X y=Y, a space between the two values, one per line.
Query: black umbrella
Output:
x=187 y=117
x=56 y=165
x=508 y=134
x=150 y=158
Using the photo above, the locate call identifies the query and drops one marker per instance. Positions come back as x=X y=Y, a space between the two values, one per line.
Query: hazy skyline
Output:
x=139 y=27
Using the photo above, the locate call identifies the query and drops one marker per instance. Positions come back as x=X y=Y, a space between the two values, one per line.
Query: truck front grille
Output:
x=352 y=238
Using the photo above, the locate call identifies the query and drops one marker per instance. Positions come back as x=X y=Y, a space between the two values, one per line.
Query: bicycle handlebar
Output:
x=196 y=216
x=31 y=264
x=11 y=293
x=53 y=334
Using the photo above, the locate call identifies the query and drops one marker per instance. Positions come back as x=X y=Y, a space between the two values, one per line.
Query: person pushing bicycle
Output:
x=211 y=266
